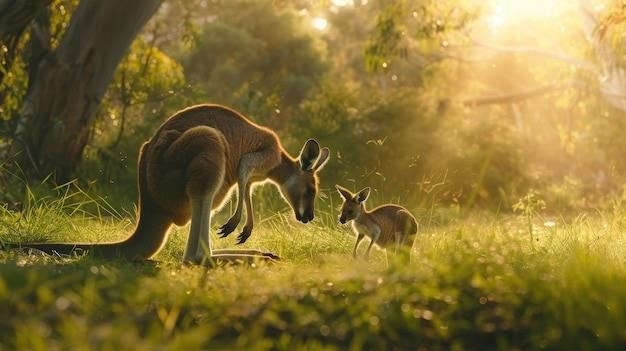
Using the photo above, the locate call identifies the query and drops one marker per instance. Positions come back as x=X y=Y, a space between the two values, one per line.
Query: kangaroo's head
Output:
x=300 y=188
x=352 y=203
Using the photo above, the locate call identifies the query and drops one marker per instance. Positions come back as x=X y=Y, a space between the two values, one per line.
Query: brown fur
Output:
x=188 y=168
x=385 y=225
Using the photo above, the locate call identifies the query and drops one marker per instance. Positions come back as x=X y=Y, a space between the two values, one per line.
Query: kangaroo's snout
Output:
x=305 y=218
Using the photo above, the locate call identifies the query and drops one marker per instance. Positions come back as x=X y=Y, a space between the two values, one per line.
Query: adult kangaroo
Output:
x=188 y=168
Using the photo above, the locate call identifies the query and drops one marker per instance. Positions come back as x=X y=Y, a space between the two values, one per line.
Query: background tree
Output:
x=66 y=88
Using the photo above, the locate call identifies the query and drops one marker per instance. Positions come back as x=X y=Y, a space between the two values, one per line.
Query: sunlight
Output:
x=319 y=23
x=500 y=13
x=342 y=3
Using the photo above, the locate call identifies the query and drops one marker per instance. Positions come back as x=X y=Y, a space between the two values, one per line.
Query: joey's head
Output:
x=300 y=186
x=352 y=203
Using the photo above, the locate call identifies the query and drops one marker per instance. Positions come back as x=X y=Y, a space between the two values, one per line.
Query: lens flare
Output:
x=319 y=23
x=502 y=13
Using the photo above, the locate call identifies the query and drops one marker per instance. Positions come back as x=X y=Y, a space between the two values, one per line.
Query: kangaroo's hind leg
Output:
x=403 y=233
x=203 y=151
x=359 y=237
x=200 y=153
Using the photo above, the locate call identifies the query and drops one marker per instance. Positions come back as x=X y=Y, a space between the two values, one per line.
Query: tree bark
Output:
x=15 y=16
x=69 y=83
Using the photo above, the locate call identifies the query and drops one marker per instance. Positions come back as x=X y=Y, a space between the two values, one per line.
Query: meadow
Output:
x=475 y=282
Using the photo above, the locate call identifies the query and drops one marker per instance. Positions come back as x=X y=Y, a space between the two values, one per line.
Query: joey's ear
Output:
x=345 y=193
x=363 y=194
x=322 y=159
x=308 y=154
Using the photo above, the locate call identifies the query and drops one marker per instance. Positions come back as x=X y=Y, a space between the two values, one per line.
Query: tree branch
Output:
x=539 y=52
x=514 y=97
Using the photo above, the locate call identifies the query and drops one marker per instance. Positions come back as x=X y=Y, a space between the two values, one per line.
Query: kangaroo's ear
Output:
x=308 y=154
x=362 y=195
x=322 y=159
x=345 y=193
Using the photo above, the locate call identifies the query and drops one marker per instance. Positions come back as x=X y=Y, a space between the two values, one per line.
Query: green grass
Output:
x=474 y=283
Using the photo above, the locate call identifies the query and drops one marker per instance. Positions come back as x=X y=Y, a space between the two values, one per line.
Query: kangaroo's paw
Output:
x=228 y=228
x=244 y=235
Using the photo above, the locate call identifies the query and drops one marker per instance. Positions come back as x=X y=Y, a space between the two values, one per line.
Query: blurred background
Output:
x=433 y=103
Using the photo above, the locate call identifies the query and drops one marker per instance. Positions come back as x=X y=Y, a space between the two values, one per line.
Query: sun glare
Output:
x=319 y=23
x=501 y=13
x=342 y=3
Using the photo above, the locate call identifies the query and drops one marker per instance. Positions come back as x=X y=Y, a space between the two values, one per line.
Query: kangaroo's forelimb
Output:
x=359 y=237
x=252 y=166
x=373 y=239
x=247 y=228
x=244 y=198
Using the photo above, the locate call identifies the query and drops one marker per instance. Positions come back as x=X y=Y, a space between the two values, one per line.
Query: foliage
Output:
x=147 y=87
x=612 y=23
x=256 y=58
x=528 y=206
x=427 y=23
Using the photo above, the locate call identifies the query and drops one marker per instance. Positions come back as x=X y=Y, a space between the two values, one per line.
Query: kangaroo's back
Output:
x=223 y=133
x=241 y=134
x=392 y=219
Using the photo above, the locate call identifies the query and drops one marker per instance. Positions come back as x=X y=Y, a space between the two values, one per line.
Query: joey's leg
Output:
x=374 y=239
x=398 y=241
x=356 y=245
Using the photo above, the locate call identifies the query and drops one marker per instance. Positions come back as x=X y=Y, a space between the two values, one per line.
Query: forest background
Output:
x=447 y=104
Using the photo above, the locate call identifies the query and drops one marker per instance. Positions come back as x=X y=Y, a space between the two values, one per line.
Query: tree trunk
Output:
x=69 y=83
x=15 y=16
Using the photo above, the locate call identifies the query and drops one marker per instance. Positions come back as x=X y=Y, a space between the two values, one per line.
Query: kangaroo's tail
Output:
x=143 y=243
x=61 y=249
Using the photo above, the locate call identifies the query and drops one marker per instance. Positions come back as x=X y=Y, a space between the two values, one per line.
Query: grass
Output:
x=474 y=283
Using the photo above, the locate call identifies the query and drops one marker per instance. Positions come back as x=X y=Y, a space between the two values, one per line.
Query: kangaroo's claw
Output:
x=244 y=235
x=227 y=228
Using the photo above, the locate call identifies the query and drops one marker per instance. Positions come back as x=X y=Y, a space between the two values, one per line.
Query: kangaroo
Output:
x=385 y=225
x=189 y=167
